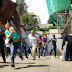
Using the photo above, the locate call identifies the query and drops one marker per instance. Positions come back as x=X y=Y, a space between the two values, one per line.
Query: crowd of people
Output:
x=14 y=44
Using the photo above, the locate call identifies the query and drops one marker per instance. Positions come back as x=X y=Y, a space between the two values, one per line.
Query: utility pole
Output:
x=57 y=24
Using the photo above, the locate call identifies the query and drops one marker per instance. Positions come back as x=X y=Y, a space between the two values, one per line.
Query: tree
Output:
x=24 y=18
x=21 y=6
x=50 y=21
x=27 y=19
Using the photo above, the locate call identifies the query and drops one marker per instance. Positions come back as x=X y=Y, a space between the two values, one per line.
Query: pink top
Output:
x=40 y=41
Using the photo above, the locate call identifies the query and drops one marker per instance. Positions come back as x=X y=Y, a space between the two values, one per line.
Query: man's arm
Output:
x=18 y=37
x=9 y=36
x=63 y=37
x=49 y=41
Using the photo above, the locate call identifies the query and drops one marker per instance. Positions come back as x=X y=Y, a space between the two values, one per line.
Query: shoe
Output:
x=6 y=56
x=65 y=60
x=4 y=61
x=33 y=59
x=29 y=55
x=22 y=58
x=44 y=56
x=12 y=65
x=41 y=54
x=26 y=58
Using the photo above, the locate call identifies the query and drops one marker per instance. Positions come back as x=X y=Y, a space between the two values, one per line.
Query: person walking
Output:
x=34 y=41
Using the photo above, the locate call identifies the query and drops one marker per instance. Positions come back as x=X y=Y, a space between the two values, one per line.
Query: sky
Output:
x=39 y=7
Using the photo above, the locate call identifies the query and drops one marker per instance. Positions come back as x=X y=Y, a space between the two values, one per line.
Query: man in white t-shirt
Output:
x=34 y=41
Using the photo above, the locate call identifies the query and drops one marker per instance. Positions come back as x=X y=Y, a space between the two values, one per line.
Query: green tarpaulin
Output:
x=56 y=6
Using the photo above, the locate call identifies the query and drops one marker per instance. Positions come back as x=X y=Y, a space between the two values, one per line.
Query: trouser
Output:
x=29 y=51
x=2 y=52
x=54 y=48
x=44 y=51
x=17 y=47
x=40 y=50
x=7 y=51
x=33 y=51
x=68 y=52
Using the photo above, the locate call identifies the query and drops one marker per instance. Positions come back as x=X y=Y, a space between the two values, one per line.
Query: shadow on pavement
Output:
x=6 y=62
x=2 y=66
x=32 y=66
x=25 y=63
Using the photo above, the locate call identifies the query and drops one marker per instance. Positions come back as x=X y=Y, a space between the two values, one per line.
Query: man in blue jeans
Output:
x=26 y=49
x=8 y=35
x=53 y=45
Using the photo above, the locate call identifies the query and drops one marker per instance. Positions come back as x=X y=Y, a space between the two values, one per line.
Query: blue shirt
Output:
x=45 y=39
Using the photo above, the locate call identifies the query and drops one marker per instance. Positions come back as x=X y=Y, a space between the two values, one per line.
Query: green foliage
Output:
x=27 y=19
x=41 y=29
x=21 y=6
x=47 y=29
x=35 y=29
x=52 y=27
x=44 y=33
x=24 y=18
x=50 y=21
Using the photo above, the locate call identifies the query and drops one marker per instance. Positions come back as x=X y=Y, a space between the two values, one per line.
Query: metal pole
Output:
x=57 y=24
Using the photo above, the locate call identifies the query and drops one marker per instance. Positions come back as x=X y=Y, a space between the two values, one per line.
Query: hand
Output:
x=58 y=38
x=12 y=31
x=18 y=37
x=61 y=48
x=52 y=39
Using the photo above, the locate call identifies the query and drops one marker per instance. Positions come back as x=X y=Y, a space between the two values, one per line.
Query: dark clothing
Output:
x=54 y=46
x=45 y=39
x=25 y=51
x=67 y=38
x=68 y=52
x=1 y=39
x=7 y=51
x=2 y=47
x=2 y=52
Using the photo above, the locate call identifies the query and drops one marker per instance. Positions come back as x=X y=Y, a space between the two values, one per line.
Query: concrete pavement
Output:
x=44 y=64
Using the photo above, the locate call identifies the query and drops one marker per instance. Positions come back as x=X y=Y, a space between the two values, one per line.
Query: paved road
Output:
x=44 y=64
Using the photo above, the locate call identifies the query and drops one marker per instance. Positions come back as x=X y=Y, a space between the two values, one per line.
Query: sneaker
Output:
x=41 y=54
x=44 y=55
x=4 y=61
x=22 y=58
x=12 y=65
x=29 y=55
x=6 y=56
x=33 y=59
x=26 y=58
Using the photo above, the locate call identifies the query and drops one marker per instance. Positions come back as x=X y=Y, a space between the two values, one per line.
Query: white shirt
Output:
x=33 y=39
x=6 y=41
